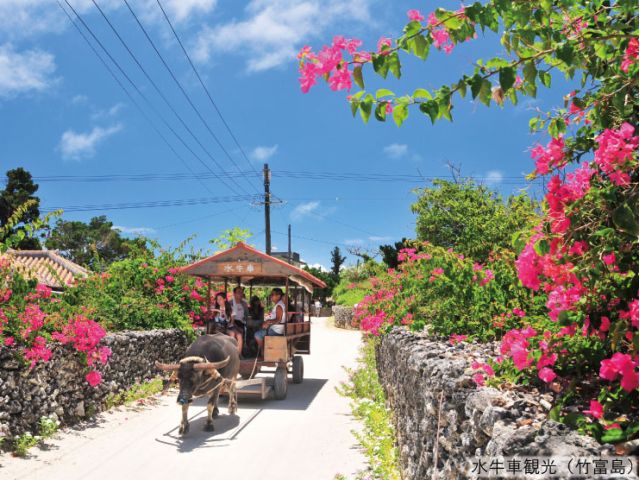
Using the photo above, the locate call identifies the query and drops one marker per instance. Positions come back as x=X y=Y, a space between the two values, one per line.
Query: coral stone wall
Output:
x=428 y=383
x=58 y=389
x=342 y=316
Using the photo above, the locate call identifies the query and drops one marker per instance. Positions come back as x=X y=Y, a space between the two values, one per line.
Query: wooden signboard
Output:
x=239 y=268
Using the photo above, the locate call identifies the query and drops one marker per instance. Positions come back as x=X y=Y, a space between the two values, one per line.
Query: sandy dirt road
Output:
x=306 y=436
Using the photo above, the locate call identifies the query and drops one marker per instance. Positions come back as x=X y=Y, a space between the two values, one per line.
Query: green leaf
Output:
x=556 y=127
x=380 y=65
x=444 y=108
x=412 y=28
x=381 y=112
x=355 y=105
x=366 y=107
x=420 y=47
x=383 y=92
x=394 y=64
x=357 y=95
x=430 y=108
x=485 y=92
x=565 y=53
x=626 y=220
x=529 y=71
x=357 y=76
x=518 y=242
x=542 y=247
x=613 y=435
x=533 y=123
x=462 y=88
x=421 y=93
x=475 y=83
x=507 y=76
x=400 y=114
x=545 y=78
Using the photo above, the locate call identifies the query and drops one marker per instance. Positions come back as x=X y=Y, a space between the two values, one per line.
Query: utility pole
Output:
x=267 y=209
x=289 y=234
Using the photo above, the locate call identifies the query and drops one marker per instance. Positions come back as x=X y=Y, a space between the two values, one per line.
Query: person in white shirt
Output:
x=274 y=323
x=239 y=315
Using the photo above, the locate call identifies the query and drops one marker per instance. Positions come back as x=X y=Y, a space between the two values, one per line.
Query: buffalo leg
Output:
x=212 y=408
x=184 y=424
x=233 y=397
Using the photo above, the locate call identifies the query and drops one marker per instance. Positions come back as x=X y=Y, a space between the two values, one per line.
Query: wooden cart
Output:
x=246 y=266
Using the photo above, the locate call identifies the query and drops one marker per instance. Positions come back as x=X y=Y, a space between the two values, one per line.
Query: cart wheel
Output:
x=280 y=383
x=297 y=369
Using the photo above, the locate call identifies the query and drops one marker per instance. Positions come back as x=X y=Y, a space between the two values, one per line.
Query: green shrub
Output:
x=368 y=405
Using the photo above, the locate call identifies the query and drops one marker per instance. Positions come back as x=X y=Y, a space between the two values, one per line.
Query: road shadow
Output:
x=299 y=396
x=226 y=427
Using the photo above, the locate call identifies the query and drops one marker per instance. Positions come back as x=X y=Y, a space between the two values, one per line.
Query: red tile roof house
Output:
x=47 y=267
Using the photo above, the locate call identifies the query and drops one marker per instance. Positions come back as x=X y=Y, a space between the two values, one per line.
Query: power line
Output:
x=151 y=204
x=197 y=219
x=142 y=95
x=184 y=93
x=304 y=175
x=215 y=106
x=133 y=100
x=162 y=95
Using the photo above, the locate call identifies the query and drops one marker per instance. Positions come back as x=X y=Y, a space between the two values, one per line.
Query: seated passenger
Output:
x=239 y=316
x=274 y=323
x=220 y=314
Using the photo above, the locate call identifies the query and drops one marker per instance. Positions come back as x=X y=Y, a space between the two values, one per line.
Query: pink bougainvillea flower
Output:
x=479 y=379
x=551 y=156
x=340 y=79
x=630 y=55
x=546 y=374
x=605 y=323
x=455 y=339
x=415 y=15
x=621 y=364
x=384 y=43
x=93 y=378
x=9 y=341
x=595 y=409
x=612 y=425
x=609 y=258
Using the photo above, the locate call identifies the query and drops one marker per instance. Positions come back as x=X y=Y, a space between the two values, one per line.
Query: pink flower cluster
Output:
x=85 y=335
x=38 y=351
x=329 y=61
x=615 y=153
x=630 y=55
x=623 y=366
x=485 y=369
x=549 y=157
x=515 y=345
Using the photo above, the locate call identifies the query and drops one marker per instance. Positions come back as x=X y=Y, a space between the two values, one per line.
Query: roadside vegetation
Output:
x=556 y=283
x=377 y=437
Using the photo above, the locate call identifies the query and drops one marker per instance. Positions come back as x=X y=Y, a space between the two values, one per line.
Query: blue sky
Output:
x=61 y=114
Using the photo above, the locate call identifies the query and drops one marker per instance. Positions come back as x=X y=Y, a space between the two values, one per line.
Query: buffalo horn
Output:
x=211 y=365
x=167 y=366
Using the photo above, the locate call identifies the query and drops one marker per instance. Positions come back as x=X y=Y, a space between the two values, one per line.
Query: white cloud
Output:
x=273 y=30
x=304 y=209
x=79 y=99
x=493 y=177
x=354 y=242
x=319 y=266
x=181 y=10
x=21 y=19
x=134 y=230
x=108 y=112
x=380 y=239
x=396 y=150
x=263 y=153
x=77 y=145
x=25 y=71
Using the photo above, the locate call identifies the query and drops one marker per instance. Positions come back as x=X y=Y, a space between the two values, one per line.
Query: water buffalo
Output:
x=210 y=363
